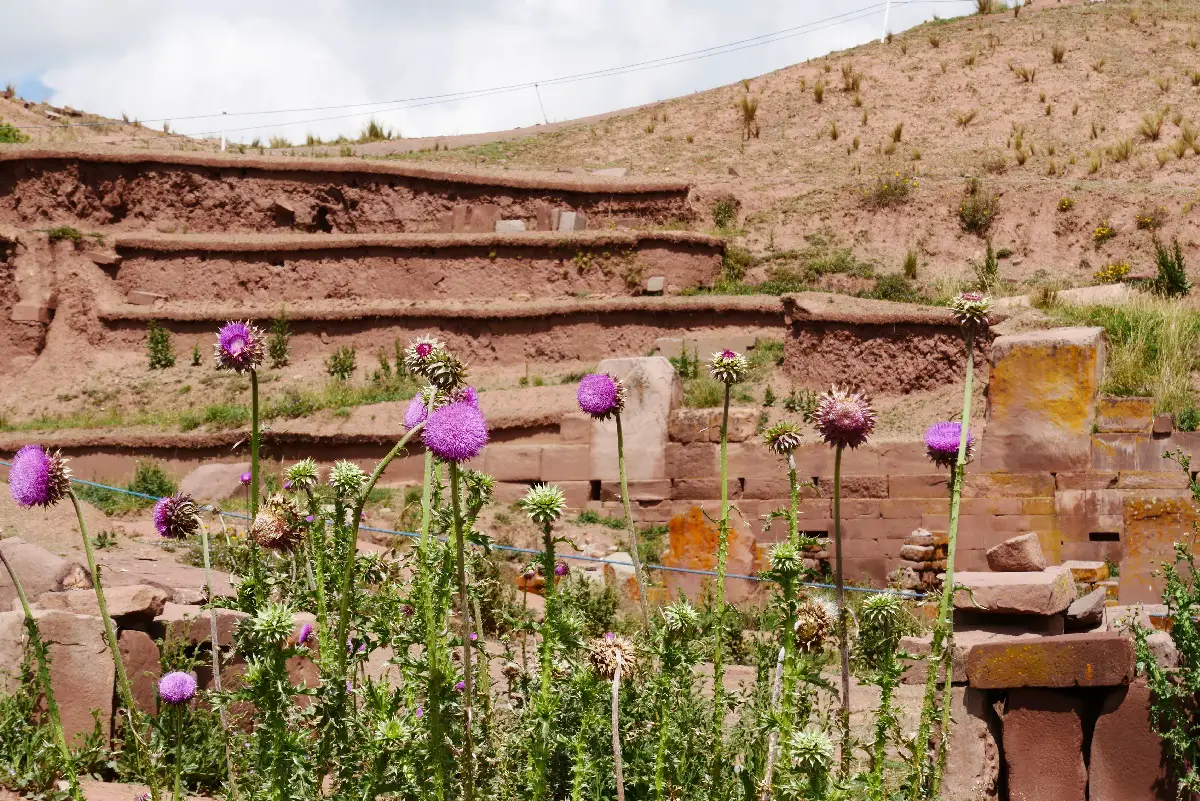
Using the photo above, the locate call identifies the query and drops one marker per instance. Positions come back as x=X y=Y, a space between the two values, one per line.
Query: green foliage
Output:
x=687 y=365
x=987 y=272
x=1175 y=705
x=158 y=343
x=887 y=191
x=196 y=358
x=1188 y=419
x=589 y=517
x=735 y=262
x=802 y=402
x=895 y=287
x=11 y=135
x=341 y=363
x=226 y=415
x=910 y=265
x=1153 y=347
x=725 y=211
x=148 y=479
x=978 y=208
x=278 y=349
x=1172 y=279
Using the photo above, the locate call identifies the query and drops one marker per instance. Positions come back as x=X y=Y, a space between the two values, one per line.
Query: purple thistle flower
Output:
x=456 y=433
x=142 y=797
x=601 y=395
x=420 y=712
x=308 y=518
x=844 y=419
x=38 y=478
x=245 y=478
x=239 y=347
x=460 y=686
x=177 y=687
x=467 y=395
x=287 y=485
x=474 y=636
x=416 y=412
x=941 y=443
x=561 y=569
x=608 y=635
x=306 y=634
x=407 y=610
x=176 y=516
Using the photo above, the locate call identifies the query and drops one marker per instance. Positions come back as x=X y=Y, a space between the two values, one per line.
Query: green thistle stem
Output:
x=179 y=754
x=110 y=636
x=255 y=559
x=465 y=613
x=719 y=633
x=843 y=613
x=216 y=659
x=43 y=672
x=545 y=705
x=943 y=629
x=643 y=601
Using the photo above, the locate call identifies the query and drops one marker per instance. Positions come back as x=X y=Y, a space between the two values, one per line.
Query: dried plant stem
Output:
x=616 y=729
x=843 y=612
x=216 y=660
x=773 y=740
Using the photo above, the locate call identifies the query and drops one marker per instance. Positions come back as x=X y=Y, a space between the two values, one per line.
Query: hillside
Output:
x=1112 y=127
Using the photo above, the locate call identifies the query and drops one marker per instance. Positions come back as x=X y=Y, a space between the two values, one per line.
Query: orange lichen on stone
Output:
x=1125 y=415
x=693 y=539
x=1065 y=660
x=1055 y=383
x=1152 y=525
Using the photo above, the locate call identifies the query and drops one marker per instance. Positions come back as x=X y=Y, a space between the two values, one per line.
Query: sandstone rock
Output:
x=193 y=624
x=132 y=601
x=1021 y=554
x=12 y=650
x=653 y=389
x=1152 y=526
x=921 y=537
x=1162 y=646
x=973 y=759
x=39 y=570
x=1086 y=572
x=1087 y=612
x=917 y=553
x=964 y=641
x=81 y=670
x=214 y=482
x=140 y=656
x=1047 y=592
x=1125 y=415
x=1064 y=660
x=1127 y=758
x=1043 y=747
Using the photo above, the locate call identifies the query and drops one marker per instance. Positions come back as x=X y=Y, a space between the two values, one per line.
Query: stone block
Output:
x=964 y=641
x=702 y=489
x=917 y=553
x=571 y=221
x=855 y=487
x=39 y=571
x=692 y=541
x=193 y=624
x=654 y=489
x=1125 y=415
x=566 y=463
x=140 y=656
x=919 y=486
x=1164 y=425
x=575 y=428
x=510 y=226
x=1086 y=480
x=129 y=601
x=1127 y=759
x=578 y=493
x=81 y=670
x=1102 y=659
x=1086 y=572
x=30 y=313
x=1152 y=480
x=1043 y=747
x=696 y=460
x=655 y=285
x=1047 y=592
x=104 y=258
x=215 y=482
x=1022 y=554
x=137 y=297
x=543 y=217
x=652 y=390
x=1087 y=612
x=1150 y=531
x=509 y=461
x=1042 y=397
x=1009 y=485
x=482 y=219
x=973 y=759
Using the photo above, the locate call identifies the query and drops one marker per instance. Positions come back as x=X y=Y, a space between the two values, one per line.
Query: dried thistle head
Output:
x=277 y=526
x=176 y=517
x=606 y=652
x=446 y=371
x=816 y=621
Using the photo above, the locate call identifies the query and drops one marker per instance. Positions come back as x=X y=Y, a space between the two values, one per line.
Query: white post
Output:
x=886 y=10
x=222 y=131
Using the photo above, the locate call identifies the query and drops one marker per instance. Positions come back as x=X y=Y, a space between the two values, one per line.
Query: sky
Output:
x=155 y=60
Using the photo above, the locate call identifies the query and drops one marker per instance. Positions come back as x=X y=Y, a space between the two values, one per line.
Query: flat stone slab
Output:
x=1087 y=572
x=1046 y=592
x=131 y=600
x=1065 y=660
x=1127 y=761
x=1088 y=611
x=964 y=641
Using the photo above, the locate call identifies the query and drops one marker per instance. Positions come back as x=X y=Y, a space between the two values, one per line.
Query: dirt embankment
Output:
x=172 y=192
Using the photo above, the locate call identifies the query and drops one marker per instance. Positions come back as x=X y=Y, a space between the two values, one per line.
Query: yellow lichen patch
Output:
x=1051 y=384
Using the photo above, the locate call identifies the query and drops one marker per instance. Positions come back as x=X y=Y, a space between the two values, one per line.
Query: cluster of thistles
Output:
x=455 y=430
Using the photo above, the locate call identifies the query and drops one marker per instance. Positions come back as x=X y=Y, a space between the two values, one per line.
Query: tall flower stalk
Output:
x=844 y=419
x=611 y=655
x=728 y=367
x=176 y=689
x=240 y=348
x=602 y=396
x=971 y=309
x=43 y=677
x=544 y=503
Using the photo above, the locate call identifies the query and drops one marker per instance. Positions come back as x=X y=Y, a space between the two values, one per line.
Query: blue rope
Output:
x=514 y=548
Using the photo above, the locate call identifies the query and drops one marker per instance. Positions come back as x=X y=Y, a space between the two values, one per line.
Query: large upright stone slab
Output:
x=973 y=759
x=81 y=670
x=215 y=482
x=1043 y=747
x=1127 y=761
x=1042 y=396
x=1152 y=525
x=1022 y=554
x=652 y=390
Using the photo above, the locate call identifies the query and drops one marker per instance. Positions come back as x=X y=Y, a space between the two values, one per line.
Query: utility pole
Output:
x=886 y=11
x=222 y=131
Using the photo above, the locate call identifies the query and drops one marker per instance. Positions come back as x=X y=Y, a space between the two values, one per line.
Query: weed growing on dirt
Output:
x=278 y=346
x=149 y=478
x=158 y=345
x=889 y=190
x=978 y=208
x=11 y=135
x=342 y=363
x=1172 y=278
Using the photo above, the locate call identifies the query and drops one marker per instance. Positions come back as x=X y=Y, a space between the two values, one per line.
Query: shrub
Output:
x=898 y=132
x=1058 y=52
x=749 y=108
x=196 y=358
x=148 y=479
x=373 y=132
x=978 y=209
x=158 y=343
x=1188 y=419
x=987 y=272
x=1151 y=127
x=1150 y=218
x=935 y=40
x=734 y=264
x=819 y=91
x=340 y=365
x=225 y=415
x=889 y=190
x=851 y=80
x=985 y=6
x=964 y=118
x=278 y=347
x=1113 y=273
x=1026 y=74
x=910 y=264
x=10 y=135
x=1104 y=232
x=1098 y=65
x=278 y=141
x=725 y=211
x=1065 y=204
x=1172 y=279
x=896 y=287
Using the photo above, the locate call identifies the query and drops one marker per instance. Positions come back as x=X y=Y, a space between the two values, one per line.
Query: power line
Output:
x=428 y=100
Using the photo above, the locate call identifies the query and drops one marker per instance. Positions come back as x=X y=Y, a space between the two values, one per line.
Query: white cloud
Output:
x=150 y=59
